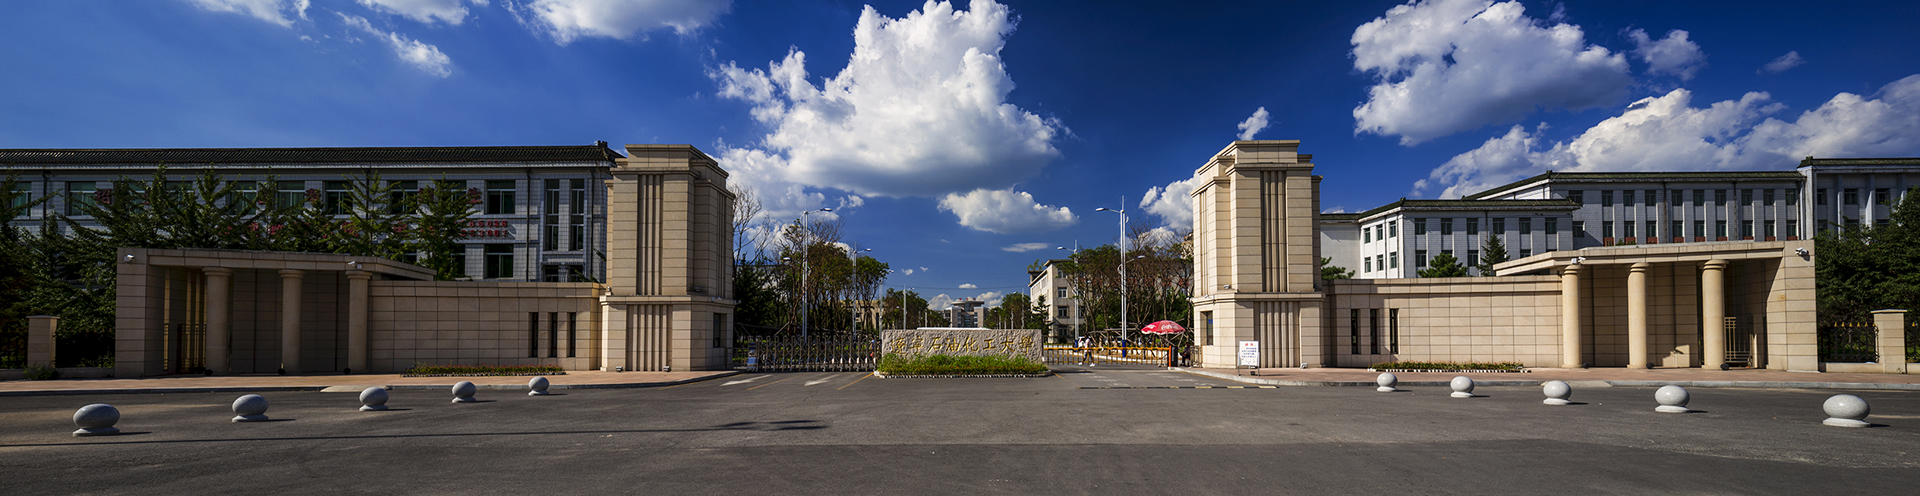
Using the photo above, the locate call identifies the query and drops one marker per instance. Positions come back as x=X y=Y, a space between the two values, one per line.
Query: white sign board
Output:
x=1249 y=353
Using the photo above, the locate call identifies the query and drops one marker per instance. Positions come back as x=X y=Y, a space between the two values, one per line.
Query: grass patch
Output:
x=959 y=365
x=482 y=370
x=1446 y=366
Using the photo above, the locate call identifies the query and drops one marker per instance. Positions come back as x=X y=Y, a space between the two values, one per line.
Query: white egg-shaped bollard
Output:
x=1673 y=399
x=463 y=392
x=250 y=408
x=1462 y=386
x=1386 y=381
x=1557 y=393
x=373 y=399
x=538 y=386
x=1846 y=410
x=96 y=420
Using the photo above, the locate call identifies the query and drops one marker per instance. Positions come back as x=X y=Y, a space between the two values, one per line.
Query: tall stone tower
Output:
x=669 y=300
x=1256 y=252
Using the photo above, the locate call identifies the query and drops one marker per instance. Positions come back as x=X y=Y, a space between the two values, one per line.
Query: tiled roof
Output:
x=1860 y=161
x=444 y=154
x=1324 y=217
x=1638 y=176
x=1471 y=205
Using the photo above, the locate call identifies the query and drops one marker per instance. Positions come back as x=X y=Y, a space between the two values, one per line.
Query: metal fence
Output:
x=13 y=348
x=844 y=352
x=1913 y=339
x=1103 y=354
x=1849 y=342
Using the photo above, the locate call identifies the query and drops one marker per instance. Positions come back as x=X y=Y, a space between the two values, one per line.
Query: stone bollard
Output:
x=1557 y=393
x=96 y=420
x=538 y=386
x=374 y=399
x=1462 y=386
x=463 y=392
x=1673 y=399
x=1386 y=381
x=1846 y=410
x=250 y=408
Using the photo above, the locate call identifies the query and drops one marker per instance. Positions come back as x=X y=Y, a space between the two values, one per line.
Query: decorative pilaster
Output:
x=1637 y=315
x=1713 y=314
x=219 y=321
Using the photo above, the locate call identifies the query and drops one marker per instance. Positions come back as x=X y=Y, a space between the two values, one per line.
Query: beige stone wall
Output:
x=961 y=342
x=1256 y=243
x=1467 y=319
x=482 y=323
x=1673 y=315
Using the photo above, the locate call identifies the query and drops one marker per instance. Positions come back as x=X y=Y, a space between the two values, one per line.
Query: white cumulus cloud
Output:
x=968 y=286
x=1779 y=65
x=1669 y=133
x=919 y=110
x=569 y=20
x=1673 y=55
x=1254 y=124
x=1446 y=66
x=1005 y=211
x=452 y=12
x=420 y=55
x=1173 y=204
x=273 y=11
x=1024 y=247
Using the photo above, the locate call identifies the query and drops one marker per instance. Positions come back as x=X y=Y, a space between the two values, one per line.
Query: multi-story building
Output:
x=1401 y=238
x=542 y=214
x=1051 y=287
x=965 y=313
x=1854 y=191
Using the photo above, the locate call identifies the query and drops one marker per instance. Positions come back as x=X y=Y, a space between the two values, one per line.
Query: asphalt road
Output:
x=1084 y=431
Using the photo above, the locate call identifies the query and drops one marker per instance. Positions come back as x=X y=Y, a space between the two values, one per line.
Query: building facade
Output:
x=1051 y=288
x=541 y=217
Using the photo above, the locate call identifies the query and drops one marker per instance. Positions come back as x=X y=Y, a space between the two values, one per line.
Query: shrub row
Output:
x=893 y=364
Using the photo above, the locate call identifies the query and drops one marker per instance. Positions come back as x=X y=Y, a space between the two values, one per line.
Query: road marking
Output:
x=769 y=384
x=744 y=381
x=855 y=381
x=1123 y=386
x=822 y=381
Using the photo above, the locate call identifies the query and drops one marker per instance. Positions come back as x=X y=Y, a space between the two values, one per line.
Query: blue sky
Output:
x=951 y=137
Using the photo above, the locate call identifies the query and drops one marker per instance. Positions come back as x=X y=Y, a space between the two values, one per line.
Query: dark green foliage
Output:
x=1492 y=252
x=1444 y=265
x=959 y=365
x=1446 y=366
x=1330 y=272
x=1867 y=268
x=481 y=370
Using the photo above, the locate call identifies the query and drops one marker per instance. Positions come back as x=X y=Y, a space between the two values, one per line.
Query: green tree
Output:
x=1868 y=267
x=1492 y=252
x=443 y=212
x=1329 y=271
x=1444 y=265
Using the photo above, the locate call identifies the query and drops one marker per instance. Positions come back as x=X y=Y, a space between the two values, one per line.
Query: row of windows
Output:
x=1389 y=230
x=1473 y=257
x=1373 y=331
x=1851 y=196
x=1499 y=225
x=1628 y=197
x=499 y=196
x=1630 y=229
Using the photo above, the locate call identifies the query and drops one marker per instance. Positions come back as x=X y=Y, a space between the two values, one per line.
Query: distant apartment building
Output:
x=1050 y=287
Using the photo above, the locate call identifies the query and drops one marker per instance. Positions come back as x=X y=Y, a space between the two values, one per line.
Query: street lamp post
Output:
x=1123 y=299
x=1122 y=244
x=853 y=276
x=1075 y=290
x=806 y=248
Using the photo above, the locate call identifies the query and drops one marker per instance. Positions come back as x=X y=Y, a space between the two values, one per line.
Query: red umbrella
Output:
x=1163 y=327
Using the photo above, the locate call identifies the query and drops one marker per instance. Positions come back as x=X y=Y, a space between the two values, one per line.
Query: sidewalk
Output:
x=1594 y=377
x=264 y=382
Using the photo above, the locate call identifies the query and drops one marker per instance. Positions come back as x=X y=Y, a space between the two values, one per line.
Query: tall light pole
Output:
x=806 y=248
x=1075 y=290
x=1122 y=244
x=853 y=276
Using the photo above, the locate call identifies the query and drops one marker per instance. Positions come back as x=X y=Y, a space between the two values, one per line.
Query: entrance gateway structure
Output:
x=666 y=303
x=1256 y=246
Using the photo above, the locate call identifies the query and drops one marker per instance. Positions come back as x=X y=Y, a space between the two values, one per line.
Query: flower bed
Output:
x=420 y=370
x=1446 y=367
x=959 y=366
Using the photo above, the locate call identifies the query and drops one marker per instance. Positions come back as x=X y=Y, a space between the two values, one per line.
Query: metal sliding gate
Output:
x=839 y=352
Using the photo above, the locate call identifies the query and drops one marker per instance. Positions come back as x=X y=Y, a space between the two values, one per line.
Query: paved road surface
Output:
x=1093 y=430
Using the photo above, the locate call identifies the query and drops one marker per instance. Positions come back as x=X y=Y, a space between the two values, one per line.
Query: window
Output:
x=403 y=193
x=1366 y=235
x=1820 y=196
x=1380 y=261
x=460 y=263
x=1579 y=229
x=291 y=193
x=1699 y=197
x=1393 y=229
x=1526 y=225
x=1473 y=257
x=1880 y=223
x=79 y=194
x=1626 y=197
x=1852 y=223
x=1766 y=197
x=1679 y=229
x=1446 y=227
x=1699 y=228
x=719 y=330
x=1373 y=331
x=335 y=197
x=1393 y=330
x=1446 y=252
x=1626 y=230
x=1393 y=260
x=553 y=334
x=550 y=273
x=20 y=194
x=1720 y=228
x=1880 y=196
x=1746 y=229
x=1793 y=228
x=1553 y=226
x=1473 y=226
x=1526 y=253
x=1849 y=196
x=1746 y=197
x=499 y=261
x=577 y=220
x=1059 y=293
x=1606 y=229
x=533 y=334
x=1653 y=229
x=1793 y=197
x=1369 y=263
x=499 y=197
x=573 y=329
x=1606 y=198
x=1419 y=227
x=1060 y=312
x=1653 y=197
x=1769 y=231
x=1577 y=196
x=550 y=210
x=1419 y=258
x=1499 y=225
x=1353 y=317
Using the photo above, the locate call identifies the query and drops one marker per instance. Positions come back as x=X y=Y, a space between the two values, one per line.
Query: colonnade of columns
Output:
x=1713 y=313
x=220 y=325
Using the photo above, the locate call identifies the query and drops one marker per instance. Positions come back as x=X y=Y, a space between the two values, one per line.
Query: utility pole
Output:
x=806 y=248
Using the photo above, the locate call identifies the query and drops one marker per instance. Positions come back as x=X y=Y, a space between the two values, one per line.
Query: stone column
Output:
x=1892 y=326
x=1570 y=354
x=1637 y=315
x=40 y=348
x=219 y=322
x=1713 y=314
x=290 y=319
x=357 y=319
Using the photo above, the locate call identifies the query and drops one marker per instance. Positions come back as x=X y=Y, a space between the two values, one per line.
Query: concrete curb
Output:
x=399 y=387
x=1581 y=383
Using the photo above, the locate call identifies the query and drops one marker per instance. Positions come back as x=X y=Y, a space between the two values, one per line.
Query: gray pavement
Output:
x=1082 y=431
